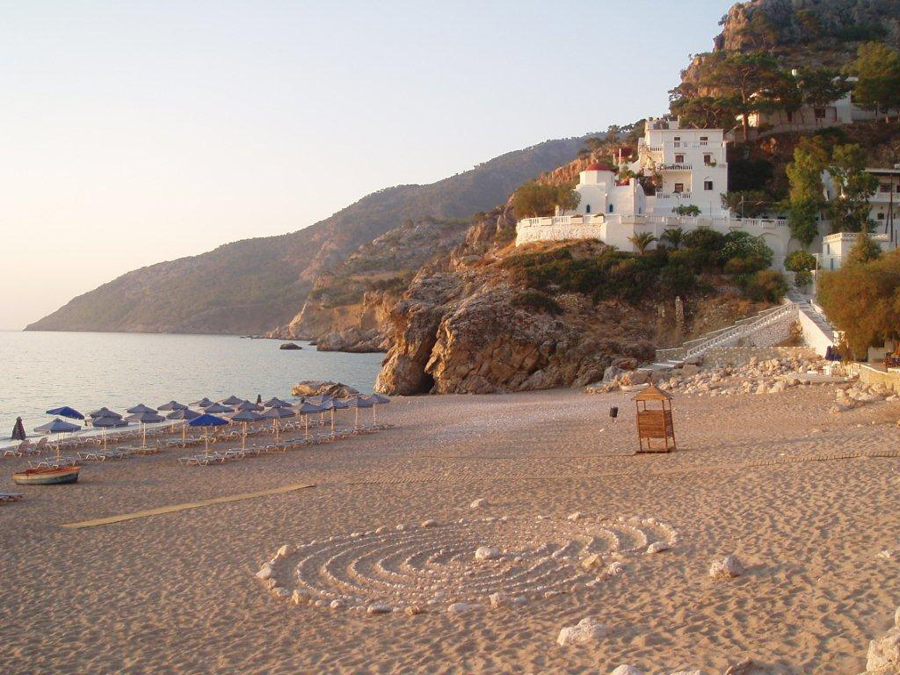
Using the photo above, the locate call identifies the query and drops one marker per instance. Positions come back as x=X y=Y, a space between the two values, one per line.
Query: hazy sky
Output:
x=136 y=132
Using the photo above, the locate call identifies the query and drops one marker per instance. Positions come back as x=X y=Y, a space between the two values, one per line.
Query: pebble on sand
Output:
x=379 y=608
x=726 y=568
x=265 y=572
x=459 y=608
x=498 y=599
x=615 y=569
x=429 y=523
x=658 y=547
x=487 y=553
x=478 y=503
x=627 y=670
x=587 y=630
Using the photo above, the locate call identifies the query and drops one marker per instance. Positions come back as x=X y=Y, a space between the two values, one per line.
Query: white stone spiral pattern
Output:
x=434 y=564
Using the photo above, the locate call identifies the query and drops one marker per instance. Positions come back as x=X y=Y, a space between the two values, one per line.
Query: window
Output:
x=880 y=216
x=707 y=185
x=679 y=159
x=679 y=188
x=819 y=113
x=884 y=187
x=790 y=115
x=827 y=249
x=704 y=139
x=611 y=208
x=707 y=159
x=587 y=208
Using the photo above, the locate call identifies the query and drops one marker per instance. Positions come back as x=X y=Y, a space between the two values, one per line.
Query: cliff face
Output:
x=256 y=285
x=466 y=325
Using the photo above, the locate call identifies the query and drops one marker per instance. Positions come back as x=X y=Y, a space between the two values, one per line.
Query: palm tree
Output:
x=642 y=241
x=673 y=236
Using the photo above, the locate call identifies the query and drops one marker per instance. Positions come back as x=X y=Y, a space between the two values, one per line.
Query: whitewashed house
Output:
x=836 y=247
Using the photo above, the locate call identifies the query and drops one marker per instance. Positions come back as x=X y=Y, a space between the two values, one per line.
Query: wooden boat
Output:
x=54 y=476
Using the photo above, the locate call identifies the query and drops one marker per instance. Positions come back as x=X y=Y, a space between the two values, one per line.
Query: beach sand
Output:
x=759 y=476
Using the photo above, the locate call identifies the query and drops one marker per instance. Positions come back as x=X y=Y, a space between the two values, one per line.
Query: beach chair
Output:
x=17 y=450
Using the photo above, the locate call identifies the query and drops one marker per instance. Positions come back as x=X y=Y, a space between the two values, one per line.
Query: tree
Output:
x=799 y=261
x=704 y=112
x=673 y=236
x=877 y=68
x=864 y=301
x=747 y=204
x=865 y=250
x=748 y=80
x=534 y=200
x=806 y=196
x=821 y=86
x=849 y=210
x=641 y=241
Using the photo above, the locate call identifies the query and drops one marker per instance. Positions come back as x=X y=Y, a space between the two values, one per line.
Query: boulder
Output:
x=322 y=388
x=615 y=569
x=689 y=369
x=587 y=630
x=479 y=503
x=290 y=346
x=658 y=547
x=487 y=553
x=627 y=670
x=728 y=567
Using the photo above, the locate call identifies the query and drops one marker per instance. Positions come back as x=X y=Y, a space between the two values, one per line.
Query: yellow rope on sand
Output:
x=188 y=505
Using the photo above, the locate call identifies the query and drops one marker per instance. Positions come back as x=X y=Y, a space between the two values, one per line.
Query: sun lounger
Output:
x=53 y=462
x=17 y=450
x=6 y=497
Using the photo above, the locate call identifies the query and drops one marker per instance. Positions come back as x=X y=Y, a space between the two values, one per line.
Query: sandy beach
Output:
x=773 y=478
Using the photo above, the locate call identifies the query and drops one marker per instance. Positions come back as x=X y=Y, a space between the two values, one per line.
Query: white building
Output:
x=836 y=247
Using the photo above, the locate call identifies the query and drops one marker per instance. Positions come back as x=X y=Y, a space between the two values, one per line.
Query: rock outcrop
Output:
x=323 y=388
x=354 y=340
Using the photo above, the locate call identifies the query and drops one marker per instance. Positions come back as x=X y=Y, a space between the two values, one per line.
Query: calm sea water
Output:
x=39 y=371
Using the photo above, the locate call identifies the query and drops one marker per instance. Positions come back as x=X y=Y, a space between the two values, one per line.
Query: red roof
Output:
x=596 y=167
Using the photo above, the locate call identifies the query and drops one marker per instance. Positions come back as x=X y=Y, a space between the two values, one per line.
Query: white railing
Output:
x=725 y=336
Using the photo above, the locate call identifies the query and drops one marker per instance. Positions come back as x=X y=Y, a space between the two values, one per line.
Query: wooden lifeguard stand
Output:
x=654 y=420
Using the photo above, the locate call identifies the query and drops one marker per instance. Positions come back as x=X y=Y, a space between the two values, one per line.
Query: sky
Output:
x=136 y=132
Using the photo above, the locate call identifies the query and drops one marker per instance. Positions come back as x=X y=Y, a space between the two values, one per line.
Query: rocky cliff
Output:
x=467 y=324
x=256 y=285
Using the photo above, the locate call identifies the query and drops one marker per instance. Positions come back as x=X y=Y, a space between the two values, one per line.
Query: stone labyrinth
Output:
x=460 y=565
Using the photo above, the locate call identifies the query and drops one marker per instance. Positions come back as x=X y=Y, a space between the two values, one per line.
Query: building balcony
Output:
x=675 y=167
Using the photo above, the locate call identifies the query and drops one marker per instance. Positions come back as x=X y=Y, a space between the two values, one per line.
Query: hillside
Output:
x=256 y=285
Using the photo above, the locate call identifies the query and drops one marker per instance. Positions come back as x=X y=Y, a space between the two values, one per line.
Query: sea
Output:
x=44 y=370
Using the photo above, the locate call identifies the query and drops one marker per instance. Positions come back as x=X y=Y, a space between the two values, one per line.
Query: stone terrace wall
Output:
x=737 y=356
x=533 y=233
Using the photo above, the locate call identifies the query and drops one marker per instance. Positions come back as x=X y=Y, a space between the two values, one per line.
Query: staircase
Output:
x=676 y=356
x=817 y=331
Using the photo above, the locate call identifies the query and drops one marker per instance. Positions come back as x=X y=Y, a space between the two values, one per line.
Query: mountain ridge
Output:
x=255 y=285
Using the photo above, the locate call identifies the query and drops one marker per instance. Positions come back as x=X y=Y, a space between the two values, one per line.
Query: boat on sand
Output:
x=52 y=476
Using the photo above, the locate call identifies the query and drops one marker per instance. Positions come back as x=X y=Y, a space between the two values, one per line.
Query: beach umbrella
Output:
x=18 y=432
x=141 y=408
x=276 y=414
x=307 y=409
x=244 y=416
x=206 y=421
x=358 y=402
x=203 y=403
x=58 y=427
x=247 y=405
x=231 y=400
x=336 y=404
x=105 y=422
x=218 y=408
x=172 y=405
x=66 y=411
x=104 y=412
x=378 y=400
x=145 y=418
x=185 y=415
x=276 y=402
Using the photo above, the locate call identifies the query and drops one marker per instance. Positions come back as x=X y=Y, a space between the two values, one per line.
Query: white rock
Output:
x=498 y=599
x=337 y=604
x=379 y=608
x=284 y=551
x=658 y=547
x=487 y=553
x=885 y=652
x=478 y=503
x=519 y=600
x=413 y=610
x=429 y=523
x=265 y=572
x=577 y=515
x=615 y=569
x=726 y=568
x=592 y=561
x=627 y=670
x=587 y=630
x=401 y=527
x=459 y=608
x=298 y=598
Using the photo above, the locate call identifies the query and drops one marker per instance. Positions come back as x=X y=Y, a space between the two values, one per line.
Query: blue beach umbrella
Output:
x=104 y=412
x=276 y=414
x=244 y=416
x=110 y=420
x=307 y=409
x=358 y=402
x=145 y=418
x=66 y=411
x=206 y=421
x=57 y=427
x=185 y=415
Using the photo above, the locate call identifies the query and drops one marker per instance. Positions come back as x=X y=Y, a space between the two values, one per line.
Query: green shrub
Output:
x=766 y=286
x=536 y=301
x=748 y=265
x=800 y=261
x=675 y=279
